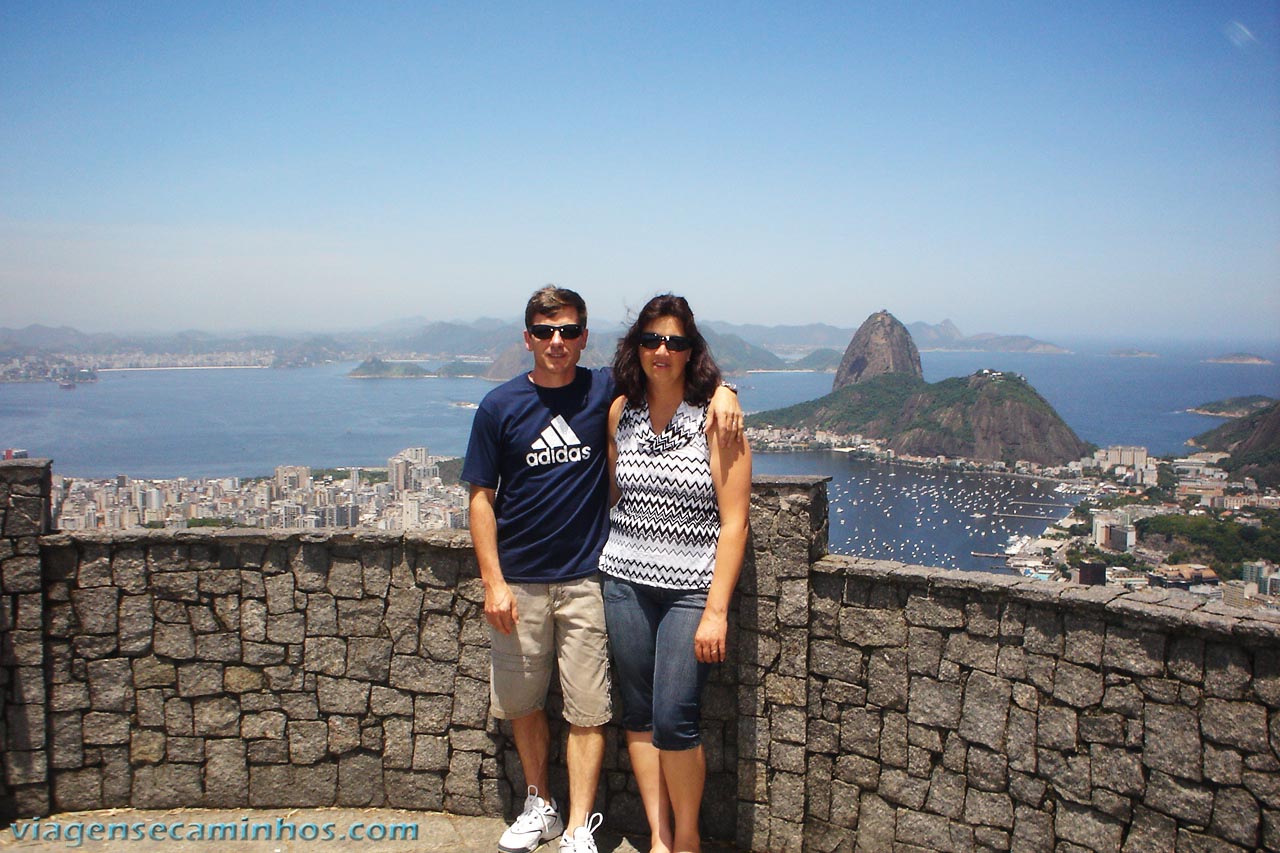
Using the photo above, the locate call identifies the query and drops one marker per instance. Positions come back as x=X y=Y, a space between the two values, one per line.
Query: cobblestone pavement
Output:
x=291 y=830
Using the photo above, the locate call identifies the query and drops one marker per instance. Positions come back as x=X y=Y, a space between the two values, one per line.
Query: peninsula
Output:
x=879 y=391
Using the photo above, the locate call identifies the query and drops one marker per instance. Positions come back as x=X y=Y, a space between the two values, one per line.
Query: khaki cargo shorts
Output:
x=559 y=624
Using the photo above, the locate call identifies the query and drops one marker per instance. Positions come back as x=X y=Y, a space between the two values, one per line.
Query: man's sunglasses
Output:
x=675 y=343
x=544 y=332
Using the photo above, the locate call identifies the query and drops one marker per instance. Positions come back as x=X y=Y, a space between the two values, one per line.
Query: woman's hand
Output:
x=711 y=643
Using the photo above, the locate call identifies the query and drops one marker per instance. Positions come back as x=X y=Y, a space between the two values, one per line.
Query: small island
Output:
x=1233 y=407
x=1238 y=358
x=376 y=368
x=1134 y=353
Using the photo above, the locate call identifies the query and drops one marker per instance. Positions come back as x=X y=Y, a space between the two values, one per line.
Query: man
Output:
x=537 y=465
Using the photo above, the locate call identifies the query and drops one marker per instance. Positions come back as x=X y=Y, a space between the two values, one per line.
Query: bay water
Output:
x=244 y=422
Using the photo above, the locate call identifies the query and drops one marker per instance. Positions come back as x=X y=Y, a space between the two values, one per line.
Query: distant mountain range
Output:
x=737 y=348
x=943 y=336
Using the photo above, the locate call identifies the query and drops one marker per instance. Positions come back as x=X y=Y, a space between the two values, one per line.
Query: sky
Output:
x=1017 y=167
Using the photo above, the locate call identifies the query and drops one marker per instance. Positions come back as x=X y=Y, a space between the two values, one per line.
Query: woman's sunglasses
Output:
x=675 y=343
x=568 y=332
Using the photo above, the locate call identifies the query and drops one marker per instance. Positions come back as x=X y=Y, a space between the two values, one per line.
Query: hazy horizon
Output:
x=1025 y=169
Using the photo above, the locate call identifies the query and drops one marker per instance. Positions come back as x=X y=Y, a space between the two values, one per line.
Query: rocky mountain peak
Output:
x=881 y=345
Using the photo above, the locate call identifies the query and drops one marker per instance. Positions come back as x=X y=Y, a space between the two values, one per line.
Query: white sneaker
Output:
x=538 y=822
x=582 y=839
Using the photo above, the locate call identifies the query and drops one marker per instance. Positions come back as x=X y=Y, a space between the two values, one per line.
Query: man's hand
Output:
x=500 y=607
x=724 y=417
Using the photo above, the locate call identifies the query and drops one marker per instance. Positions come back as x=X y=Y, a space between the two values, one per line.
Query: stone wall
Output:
x=961 y=711
x=865 y=705
x=24 y=517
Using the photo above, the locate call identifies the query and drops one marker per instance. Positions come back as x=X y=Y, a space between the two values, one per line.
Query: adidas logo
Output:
x=557 y=443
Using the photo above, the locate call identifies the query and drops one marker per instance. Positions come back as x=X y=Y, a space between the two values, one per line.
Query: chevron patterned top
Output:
x=663 y=530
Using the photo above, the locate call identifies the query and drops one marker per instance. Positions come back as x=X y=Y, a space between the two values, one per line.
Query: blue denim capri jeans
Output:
x=659 y=680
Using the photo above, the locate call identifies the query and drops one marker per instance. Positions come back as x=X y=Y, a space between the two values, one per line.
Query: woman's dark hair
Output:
x=701 y=376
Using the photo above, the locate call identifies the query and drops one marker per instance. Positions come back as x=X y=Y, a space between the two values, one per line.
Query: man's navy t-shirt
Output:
x=544 y=450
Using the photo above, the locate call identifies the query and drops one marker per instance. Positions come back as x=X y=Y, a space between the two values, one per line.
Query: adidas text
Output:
x=559 y=454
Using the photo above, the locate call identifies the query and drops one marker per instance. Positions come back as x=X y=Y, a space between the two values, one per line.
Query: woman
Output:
x=678 y=532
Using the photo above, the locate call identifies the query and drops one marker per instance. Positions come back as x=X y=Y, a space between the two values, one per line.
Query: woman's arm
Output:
x=615 y=414
x=731 y=474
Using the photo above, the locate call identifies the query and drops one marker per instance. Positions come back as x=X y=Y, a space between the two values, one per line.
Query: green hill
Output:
x=989 y=415
x=819 y=359
x=1253 y=442
x=376 y=368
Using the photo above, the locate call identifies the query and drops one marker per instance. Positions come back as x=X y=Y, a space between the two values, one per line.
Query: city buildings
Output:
x=408 y=494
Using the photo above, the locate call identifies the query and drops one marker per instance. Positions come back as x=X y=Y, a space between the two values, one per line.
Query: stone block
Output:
x=279 y=594
x=286 y=627
x=66 y=741
x=1102 y=728
x=78 y=790
x=1242 y=725
x=200 y=679
x=408 y=789
x=216 y=716
x=865 y=627
x=96 y=609
x=326 y=655
x=1077 y=686
x=982 y=808
x=860 y=732
x=470 y=703
x=360 y=781
x=109 y=684
x=1236 y=817
x=185 y=750
x=930 y=831
x=253 y=620
x=1118 y=770
x=262 y=654
x=69 y=697
x=360 y=618
x=102 y=727
x=924 y=651
x=1135 y=651
x=1227 y=671
x=430 y=752
x=226 y=774
x=433 y=714
x=136 y=624
x=167 y=786
x=146 y=746
x=894 y=750
x=283 y=785
x=404 y=607
x=308 y=741
x=174 y=641
x=1171 y=740
x=398 y=743
x=984 y=714
x=1056 y=728
x=176 y=586
x=988 y=770
x=887 y=678
x=369 y=658
x=1088 y=828
x=934 y=703
x=241 y=679
x=267 y=724
x=344 y=734
x=342 y=695
x=1222 y=766
x=1179 y=798
x=439 y=637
